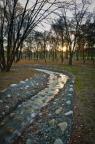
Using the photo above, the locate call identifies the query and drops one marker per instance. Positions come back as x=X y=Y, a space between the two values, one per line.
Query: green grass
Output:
x=85 y=99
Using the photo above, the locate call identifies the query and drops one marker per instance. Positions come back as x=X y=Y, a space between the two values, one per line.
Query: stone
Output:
x=3 y=90
x=19 y=106
x=21 y=112
x=58 y=110
x=27 y=86
x=1 y=101
x=68 y=102
x=29 y=141
x=40 y=114
x=54 y=102
x=33 y=115
x=69 y=113
x=3 y=113
x=73 y=81
x=52 y=122
x=21 y=88
x=58 y=141
x=70 y=94
x=7 y=106
x=71 y=86
x=13 y=85
x=49 y=114
x=16 y=133
x=2 y=124
x=71 y=90
x=8 y=95
x=12 y=114
x=63 y=126
x=22 y=82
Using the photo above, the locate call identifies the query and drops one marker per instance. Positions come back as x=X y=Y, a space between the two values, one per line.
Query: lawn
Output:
x=84 y=103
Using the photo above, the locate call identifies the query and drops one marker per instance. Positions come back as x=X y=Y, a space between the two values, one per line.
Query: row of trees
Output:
x=50 y=45
x=74 y=28
x=76 y=31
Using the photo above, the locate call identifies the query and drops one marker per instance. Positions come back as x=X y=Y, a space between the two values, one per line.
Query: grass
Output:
x=17 y=73
x=84 y=103
x=84 y=115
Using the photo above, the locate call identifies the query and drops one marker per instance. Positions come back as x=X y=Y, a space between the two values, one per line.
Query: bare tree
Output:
x=16 y=23
x=73 y=14
x=58 y=28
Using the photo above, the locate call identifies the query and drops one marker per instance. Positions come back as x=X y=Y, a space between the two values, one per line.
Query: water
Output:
x=12 y=126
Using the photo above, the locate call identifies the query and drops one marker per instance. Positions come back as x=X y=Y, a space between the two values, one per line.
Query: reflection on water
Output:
x=24 y=114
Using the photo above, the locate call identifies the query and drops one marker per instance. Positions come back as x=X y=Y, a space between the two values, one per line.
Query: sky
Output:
x=46 y=24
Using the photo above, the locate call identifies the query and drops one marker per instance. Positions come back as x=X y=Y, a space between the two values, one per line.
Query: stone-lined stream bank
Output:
x=42 y=117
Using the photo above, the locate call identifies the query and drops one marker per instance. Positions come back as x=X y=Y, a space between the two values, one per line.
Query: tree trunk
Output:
x=70 y=55
x=70 y=59
x=83 y=56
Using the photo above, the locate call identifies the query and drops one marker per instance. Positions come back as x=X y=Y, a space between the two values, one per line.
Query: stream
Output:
x=13 y=124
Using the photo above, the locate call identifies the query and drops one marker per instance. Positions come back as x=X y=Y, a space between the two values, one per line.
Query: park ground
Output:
x=84 y=100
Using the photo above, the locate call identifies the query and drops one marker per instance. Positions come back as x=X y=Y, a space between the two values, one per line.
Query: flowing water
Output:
x=12 y=126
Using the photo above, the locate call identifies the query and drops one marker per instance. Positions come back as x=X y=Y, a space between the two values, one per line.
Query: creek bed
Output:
x=13 y=125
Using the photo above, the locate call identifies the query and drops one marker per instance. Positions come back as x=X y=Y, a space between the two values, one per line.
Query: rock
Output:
x=12 y=114
x=63 y=126
x=7 y=106
x=13 y=85
x=2 y=124
x=68 y=102
x=8 y=95
x=70 y=94
x=40 y=114
x=18 y=94
x=16 y=133
x=33 y=115
x=19 y=106
x=71 y=90
x=29 y=141
x=69 y=113
x=22 y=82
x=3 y=90
x=49 y=114
x=27 y=86
x=54 y=102
x=58 y=110
x=1 y=101
x=21 y=88
x=52 y=122
x=58 y=141
x=21 y=112
x=71 y=86
x=26 y=79
x=3 y=113
x=73 y=81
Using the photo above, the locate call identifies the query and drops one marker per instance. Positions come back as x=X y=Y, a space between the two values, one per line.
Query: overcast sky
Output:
x=46 y=25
